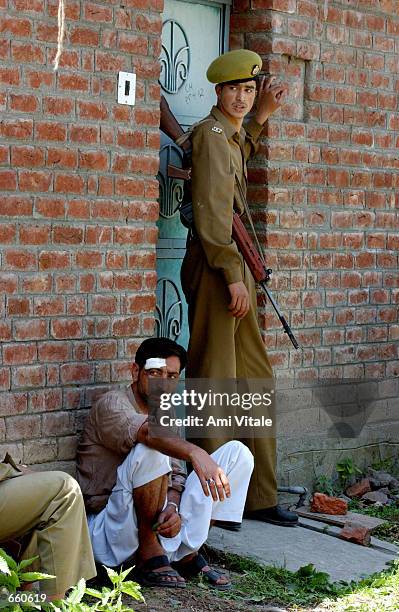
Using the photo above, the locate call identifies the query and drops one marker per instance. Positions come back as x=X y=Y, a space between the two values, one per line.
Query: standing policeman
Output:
x=225 y=340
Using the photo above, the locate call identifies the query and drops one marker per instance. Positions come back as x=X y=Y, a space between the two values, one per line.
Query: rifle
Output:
x=170 y=126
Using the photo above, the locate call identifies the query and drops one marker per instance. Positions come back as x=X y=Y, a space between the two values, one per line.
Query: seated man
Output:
x=48 y=508
x=133 y=506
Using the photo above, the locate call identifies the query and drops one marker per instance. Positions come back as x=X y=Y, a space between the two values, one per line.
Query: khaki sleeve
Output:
x=115 y=422
x=253 y=131
x=213 y=199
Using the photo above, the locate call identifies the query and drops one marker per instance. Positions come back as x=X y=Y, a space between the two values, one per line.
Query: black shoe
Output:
x=275 y=515
x=228 y=525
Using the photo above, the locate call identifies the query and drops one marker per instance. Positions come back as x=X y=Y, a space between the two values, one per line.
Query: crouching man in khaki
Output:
x=138 y=499
x=49 y=508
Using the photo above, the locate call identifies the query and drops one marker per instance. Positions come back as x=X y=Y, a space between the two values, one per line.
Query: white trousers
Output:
x=113 y=532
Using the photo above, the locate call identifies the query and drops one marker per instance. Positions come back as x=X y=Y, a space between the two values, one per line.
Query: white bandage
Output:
x=155 y=362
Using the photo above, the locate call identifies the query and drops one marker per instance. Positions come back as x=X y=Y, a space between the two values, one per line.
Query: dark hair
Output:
x=160 y=347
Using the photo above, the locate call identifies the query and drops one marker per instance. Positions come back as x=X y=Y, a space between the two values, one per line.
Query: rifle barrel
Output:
x=283 y=320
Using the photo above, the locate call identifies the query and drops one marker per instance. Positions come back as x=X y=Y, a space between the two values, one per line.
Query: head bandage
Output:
x=155 y=362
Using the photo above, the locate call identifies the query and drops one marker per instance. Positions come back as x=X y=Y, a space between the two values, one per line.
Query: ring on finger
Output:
x=210 y=481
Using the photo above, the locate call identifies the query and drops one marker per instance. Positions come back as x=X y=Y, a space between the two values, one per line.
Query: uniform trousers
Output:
x=114 y=532
x=49 y=505
x=224 y=347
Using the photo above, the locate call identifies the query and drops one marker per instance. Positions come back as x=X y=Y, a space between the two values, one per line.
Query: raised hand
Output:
x=270 y=98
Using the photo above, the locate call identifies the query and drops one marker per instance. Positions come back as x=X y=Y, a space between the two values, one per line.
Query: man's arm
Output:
x=212 y=477
x=213 y=182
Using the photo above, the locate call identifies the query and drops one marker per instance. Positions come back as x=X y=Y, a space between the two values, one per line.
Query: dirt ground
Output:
x=192 y=599
x=197 y=598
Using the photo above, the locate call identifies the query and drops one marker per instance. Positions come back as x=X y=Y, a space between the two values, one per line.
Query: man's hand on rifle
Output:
x=239 y=304
x=270 y=98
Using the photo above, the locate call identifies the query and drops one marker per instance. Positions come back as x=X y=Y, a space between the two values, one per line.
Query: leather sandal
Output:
x=147 y=577
x=195 y=566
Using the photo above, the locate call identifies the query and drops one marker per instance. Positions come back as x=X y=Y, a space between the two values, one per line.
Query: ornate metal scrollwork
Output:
x=170 y=189
x=175 y=56
x=169 y=310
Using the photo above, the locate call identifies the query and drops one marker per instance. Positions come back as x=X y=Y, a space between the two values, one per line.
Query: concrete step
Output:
x=293 y=547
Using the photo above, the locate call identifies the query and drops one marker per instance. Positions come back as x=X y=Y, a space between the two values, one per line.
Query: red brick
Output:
x=66 y=234
x=50 y=131
x=89 y=259
x=144 y=303
x=57 y=106
x=76 y=373
x=103 y=304
x=27 y=52
x=132 y=43
x=84 y=36
x=50 y=260
x=85 y=135
x=17 y=306
x=69 y=183
x=51 y=208
x=19 y=353
x=19 y=259
x=27 y=156
x=94 y=160
x=34 y=234
x=23 y=427
x=102 y=349
x=92 y=110
x=73 y=82
x=66 y=328
x=65 y=283
x=7 y=233
x=34 y=180
x=48 y=306
x=36 y=6
x=62 y=158
x=8 y=180
x=30 y=329
x=5 y=330
x=53 y=352
x=23 y=103
x=37 y=283
x=21 y=28
x=40 y=78
x=57 y=423
x=97 y=12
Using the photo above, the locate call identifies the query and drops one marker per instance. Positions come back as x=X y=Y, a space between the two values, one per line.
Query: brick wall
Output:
x=325 y=194
x=77 y=212
x=325 y=183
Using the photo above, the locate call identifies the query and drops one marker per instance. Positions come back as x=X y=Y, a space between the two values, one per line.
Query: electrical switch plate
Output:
x=126 y=88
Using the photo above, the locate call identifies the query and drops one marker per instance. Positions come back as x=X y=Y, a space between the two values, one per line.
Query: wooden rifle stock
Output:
x=248 y=250
x=170 y=126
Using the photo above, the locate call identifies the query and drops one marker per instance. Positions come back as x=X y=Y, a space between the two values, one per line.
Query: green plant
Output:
x=324 y=484
x=387 y=465
x=347 y=469
x=12 y=577
x=110 y=599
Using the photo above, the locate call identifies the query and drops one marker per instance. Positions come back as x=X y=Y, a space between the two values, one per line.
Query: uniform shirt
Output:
x=110 y=433
x=219 y=156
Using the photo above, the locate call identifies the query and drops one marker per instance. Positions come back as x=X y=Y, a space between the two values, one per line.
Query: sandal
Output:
x=147 y=577
x=195 y=568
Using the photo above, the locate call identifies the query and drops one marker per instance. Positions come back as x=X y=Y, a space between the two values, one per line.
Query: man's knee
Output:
x=241 y=452
x=144 y=464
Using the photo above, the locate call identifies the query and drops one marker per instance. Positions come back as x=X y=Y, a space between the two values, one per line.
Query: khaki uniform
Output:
x=49 y=507
x=222 y=346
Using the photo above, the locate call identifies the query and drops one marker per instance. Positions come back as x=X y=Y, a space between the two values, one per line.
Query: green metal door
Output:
x=193 y=34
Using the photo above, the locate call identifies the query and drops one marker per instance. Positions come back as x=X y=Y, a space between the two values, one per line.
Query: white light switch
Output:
x=126 y=88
